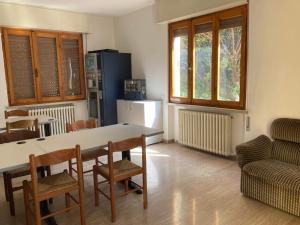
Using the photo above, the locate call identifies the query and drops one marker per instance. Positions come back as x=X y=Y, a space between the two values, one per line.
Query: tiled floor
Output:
x=186 y=187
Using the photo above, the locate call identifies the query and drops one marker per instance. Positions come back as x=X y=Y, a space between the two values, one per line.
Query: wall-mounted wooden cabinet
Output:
x=43 y=66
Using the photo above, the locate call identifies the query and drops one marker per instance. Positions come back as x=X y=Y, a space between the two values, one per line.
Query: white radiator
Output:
x=64 y=113
x=206 y=131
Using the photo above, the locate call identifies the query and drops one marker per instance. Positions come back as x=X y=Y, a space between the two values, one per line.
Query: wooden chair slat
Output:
x=16 y=112
x=126 y=144
x=22 y=124
x=56 y=157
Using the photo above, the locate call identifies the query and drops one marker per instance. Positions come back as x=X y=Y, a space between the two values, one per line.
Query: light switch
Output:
x=248 y=123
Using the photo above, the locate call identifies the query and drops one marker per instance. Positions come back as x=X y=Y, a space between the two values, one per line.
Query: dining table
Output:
x=16 y=154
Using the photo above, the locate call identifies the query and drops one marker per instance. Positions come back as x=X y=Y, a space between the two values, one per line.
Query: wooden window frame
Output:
x=33 y=35
x=69 y=36
x=8 y=68
x=42 y=99
x=214 y=18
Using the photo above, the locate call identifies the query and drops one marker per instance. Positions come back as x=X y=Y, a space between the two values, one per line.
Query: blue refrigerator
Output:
x=105 y=74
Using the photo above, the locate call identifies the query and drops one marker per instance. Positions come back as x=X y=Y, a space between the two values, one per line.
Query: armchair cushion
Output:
x=276 y=173
x=286 y=151
x=257 y=149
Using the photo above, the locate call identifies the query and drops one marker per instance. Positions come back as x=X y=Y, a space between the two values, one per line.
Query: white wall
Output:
x=100 y=35
x=273 y=64
x=274 y=71
x=138 y=34
x=172 y=10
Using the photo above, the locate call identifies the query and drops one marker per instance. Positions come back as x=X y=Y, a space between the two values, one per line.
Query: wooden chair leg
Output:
x=70 y=168
x=37 y=213
x=145 y=191
x=96 y=193
x=113 y=201
x=48 y=169
x=5 y=186
x=68 y=200
x=82 y=207
x=97 y=161
x=26 y=204
x=10 y=195
x=126 y=185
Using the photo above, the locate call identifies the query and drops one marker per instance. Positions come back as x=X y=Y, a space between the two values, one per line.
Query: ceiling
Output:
x=99 y=7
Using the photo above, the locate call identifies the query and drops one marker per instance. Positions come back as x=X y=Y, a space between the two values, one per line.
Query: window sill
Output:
x=206 y=108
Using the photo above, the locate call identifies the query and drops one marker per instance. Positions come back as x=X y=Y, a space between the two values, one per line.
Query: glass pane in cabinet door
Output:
x=47 y=54
x=21 y=66
x=93 y=104
x=71 y=67
x=203 y=62
x=180 y=64
x=230 y=41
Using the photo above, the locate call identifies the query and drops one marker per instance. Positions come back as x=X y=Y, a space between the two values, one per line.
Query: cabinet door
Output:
x=72 y=66
x=49 y=79
x=20 y=66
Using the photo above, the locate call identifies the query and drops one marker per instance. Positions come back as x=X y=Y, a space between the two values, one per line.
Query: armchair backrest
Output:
x=286 y=135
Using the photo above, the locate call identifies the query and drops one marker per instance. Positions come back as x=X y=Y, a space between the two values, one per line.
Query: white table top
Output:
x=15 y=155
x=87 y=139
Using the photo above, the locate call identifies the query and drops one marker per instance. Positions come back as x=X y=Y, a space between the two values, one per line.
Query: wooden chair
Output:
x=17 y=112
x=121 y=170
x=22 y=125
x=90 y=155
x=52 y=186
x=23 y=132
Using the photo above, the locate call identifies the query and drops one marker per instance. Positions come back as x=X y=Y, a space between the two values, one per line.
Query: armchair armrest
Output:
x=257 y=149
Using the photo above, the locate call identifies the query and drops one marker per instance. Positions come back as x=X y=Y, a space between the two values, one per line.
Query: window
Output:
x=43 y=66
x=208 y=59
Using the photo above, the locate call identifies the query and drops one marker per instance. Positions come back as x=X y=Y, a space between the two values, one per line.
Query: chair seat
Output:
x=19 y=172
x=275 y=172
x=55 y=183
x=122 y=169
x=90 y=155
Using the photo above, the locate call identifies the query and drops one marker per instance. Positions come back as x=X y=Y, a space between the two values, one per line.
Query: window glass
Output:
x=71 y=67
x=48 y=65
x=230 y=41
x=180 y=63
x=203 y=62
x=21 y=66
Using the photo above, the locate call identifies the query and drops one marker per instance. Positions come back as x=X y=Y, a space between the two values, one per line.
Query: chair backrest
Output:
x=81 y=124
x=3 y=138
x=17 y=112
x=54 y=158
x=126 y=145
x=20 y=135
x=286 y=135
x=22 y=125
